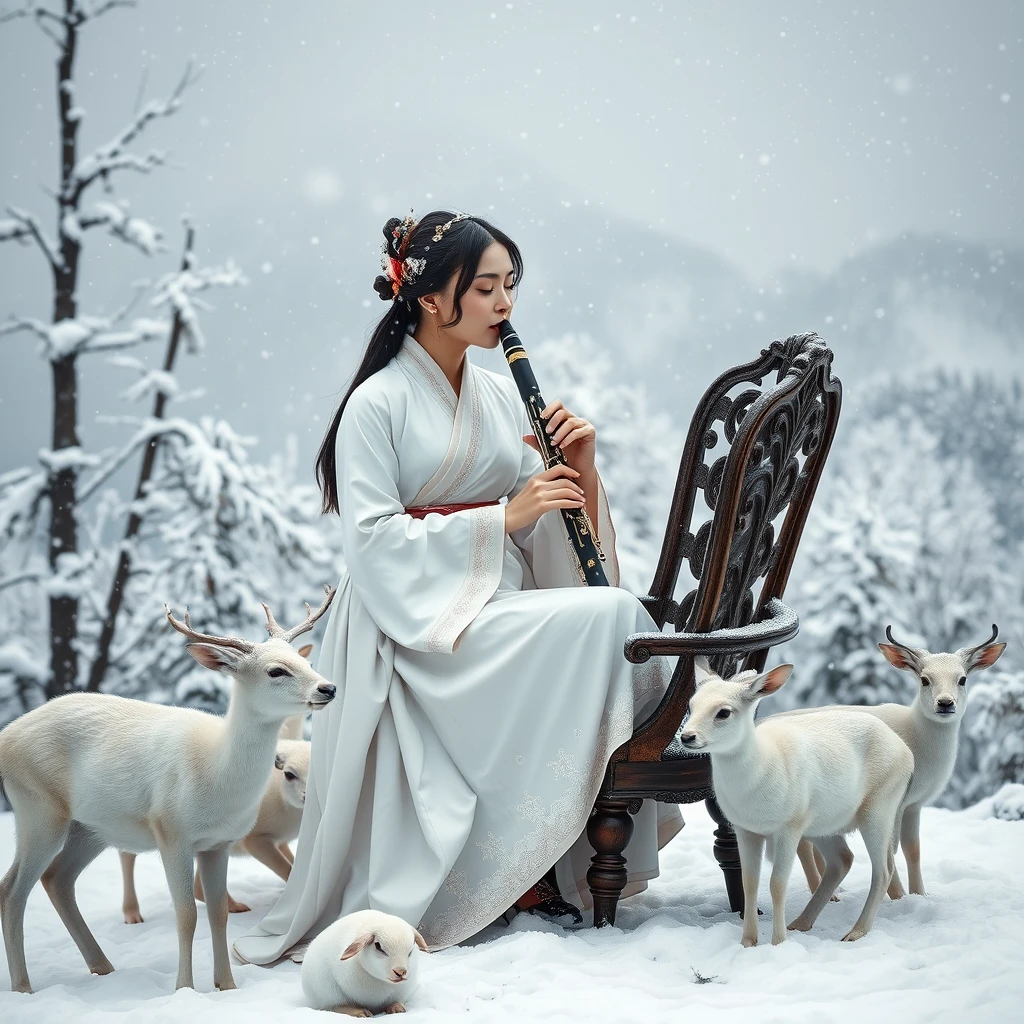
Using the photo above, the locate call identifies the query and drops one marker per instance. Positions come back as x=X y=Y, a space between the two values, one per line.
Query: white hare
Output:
x=364 y=963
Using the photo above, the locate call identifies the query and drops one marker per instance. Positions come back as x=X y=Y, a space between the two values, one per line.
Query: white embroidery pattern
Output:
x=477 y=587
x=472 y=452
x=564 y=766
x=555 y=829
x=531 y=808
x=492 y=848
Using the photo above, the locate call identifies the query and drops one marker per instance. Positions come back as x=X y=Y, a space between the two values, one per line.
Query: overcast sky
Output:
x=770 y=132
x=780 y=136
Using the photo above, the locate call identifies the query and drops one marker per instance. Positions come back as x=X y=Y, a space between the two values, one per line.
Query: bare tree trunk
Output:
x=63 y=481
x=102 y=660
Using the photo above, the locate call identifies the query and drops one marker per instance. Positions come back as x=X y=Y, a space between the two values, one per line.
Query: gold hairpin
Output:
x=440 y=229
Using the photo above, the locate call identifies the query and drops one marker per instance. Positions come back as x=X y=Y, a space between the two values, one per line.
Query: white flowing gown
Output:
x=482 y=687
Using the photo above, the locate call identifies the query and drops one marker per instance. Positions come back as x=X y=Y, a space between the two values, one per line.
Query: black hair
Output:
x=458 y=252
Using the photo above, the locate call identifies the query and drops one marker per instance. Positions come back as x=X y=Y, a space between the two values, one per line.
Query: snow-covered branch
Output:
x=180 y=290
x=132 y=230
x=29 y=227
x=112 y=157
x=40 y=14
x=150 y=429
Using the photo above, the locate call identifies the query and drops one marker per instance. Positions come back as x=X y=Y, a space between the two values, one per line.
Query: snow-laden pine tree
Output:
x=221 y=534
x=852 y=579
x=83 y=572
x=638 y=449
x=904 y=537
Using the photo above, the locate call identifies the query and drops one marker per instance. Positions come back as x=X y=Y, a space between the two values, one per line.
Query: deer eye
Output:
x=290 y=776
x=925 y=681
x=377 y=946
x=724 y=713
x=962 y=680
x=275 y=673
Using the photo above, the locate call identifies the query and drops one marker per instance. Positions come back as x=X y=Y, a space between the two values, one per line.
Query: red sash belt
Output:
x=421 y=511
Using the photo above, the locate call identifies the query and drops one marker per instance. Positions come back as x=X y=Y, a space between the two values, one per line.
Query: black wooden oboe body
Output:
x=577 y=522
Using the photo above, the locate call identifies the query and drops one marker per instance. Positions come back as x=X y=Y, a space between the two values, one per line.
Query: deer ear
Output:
x=420 y=941
x=899 y=658
x=769 y=682
x=986 y=656
x=701 y=670
x=306 y=651
x=219 y=659
x=357 y=946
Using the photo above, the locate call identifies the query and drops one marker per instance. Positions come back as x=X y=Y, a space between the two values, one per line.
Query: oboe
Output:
x=577 y=522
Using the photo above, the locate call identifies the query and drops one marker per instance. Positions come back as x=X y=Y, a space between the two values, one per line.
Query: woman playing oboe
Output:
x=481 y=685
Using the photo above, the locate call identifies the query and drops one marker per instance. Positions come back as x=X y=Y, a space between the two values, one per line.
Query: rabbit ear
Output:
x=357 y=946
x=420 y=941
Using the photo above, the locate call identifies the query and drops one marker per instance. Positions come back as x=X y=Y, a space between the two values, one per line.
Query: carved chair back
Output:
x=777 y=438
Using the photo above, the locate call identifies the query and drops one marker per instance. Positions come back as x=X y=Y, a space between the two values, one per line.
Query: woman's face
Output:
x=487 y=302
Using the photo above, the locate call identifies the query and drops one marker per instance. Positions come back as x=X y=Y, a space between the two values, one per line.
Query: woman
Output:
x=479 y=698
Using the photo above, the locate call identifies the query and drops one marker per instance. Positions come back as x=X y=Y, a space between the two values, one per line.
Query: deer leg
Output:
x=782 y=867
x=269 y=854
x=81 y=848
x=876 y=830
x=609 y=830
x=910 y=840
x=178 y=867
x=805 y=851
x=838 y=859
x=751 y=850
x=213 y=870
x=40 y=831
x=234 y=907
x=129 y=899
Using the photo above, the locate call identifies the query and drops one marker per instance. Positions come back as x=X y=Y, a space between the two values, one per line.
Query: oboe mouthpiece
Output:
x=506 y=331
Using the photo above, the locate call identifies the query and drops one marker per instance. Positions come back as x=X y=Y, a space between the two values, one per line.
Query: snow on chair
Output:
x=776 y=441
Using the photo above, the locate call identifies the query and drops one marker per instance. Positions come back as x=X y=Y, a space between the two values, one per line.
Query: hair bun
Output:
x=382 y=286
x=389 y=234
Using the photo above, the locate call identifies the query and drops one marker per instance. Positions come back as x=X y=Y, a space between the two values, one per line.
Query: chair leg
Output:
x=609 y=830
x=727 y=853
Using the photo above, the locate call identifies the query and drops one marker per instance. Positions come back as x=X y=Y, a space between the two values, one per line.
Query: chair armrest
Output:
x=781 y=624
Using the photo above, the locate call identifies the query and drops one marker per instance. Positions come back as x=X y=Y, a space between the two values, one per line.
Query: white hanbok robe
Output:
x=481 y=686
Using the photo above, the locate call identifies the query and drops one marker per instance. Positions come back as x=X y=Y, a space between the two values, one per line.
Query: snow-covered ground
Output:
x=953 y=955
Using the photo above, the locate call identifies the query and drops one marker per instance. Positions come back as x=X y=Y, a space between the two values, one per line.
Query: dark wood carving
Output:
x=754 y=454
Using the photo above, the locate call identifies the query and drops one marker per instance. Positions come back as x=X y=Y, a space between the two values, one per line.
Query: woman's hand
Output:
x=574 y=435
x=554 y=488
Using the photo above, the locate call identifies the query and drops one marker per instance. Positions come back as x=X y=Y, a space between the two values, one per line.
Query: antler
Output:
x=896 y=643
x=234 y=642
x=968 y=651
x=288 y=635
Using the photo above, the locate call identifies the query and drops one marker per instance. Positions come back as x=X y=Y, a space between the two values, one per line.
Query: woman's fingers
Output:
x=580 y=433
x=557 y=471
x=550 y=409
x=556 y=418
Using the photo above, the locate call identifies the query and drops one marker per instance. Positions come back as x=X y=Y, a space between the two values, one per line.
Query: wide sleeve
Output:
x=423 y=581
x=545 y=544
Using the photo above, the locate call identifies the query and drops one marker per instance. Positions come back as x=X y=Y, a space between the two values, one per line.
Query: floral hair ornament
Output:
x=440 y=229
x=399 y=268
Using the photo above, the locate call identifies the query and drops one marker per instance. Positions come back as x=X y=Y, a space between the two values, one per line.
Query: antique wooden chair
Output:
x=776 y=441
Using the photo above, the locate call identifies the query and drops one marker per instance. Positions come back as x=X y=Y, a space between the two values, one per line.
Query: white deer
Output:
x=930 y=726
x=820 y=775
x=91 y=770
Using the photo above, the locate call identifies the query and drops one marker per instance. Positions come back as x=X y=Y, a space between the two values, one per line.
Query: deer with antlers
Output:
x=930 y=726
x=90 y=770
